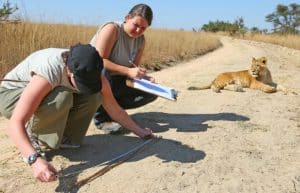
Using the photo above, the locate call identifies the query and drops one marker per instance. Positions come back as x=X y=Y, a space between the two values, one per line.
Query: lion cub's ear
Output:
x=253 y=59
x=263 y=60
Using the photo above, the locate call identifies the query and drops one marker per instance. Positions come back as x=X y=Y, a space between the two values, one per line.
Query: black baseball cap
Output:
x=86 y=64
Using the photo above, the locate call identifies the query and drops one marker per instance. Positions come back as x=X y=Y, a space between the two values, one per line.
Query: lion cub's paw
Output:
x=238 y=88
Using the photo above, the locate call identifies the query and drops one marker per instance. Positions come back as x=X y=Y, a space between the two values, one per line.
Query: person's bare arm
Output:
x=104 y=45
x=29 y=101
x=118 y=114
x=137 y=62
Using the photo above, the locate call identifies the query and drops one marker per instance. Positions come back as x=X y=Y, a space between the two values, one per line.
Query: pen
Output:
x=136 y=66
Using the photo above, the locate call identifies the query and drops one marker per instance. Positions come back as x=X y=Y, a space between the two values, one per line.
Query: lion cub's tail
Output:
x=199 y=88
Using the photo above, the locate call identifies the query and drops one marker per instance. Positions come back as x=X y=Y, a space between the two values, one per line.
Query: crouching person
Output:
x=50 y=99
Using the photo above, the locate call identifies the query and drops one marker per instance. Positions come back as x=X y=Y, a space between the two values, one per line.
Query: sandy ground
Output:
x=211 y=142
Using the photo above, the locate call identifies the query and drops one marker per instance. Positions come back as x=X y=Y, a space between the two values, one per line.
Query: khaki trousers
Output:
x=61 y=113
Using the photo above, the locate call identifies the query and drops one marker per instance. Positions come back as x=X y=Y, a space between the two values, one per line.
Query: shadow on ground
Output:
x=97 y=149
x=161 y=122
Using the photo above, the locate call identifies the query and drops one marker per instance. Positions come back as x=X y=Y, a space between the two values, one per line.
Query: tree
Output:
x=286 y=19
x=7 y=10
x=237 y=27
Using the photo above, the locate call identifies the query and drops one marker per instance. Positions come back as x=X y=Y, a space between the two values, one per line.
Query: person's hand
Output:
x=137 y=72
x=44 y=171
x=150 y=78
x=145 y=133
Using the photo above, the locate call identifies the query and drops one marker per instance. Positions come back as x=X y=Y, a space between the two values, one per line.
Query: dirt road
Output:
x=211 y=142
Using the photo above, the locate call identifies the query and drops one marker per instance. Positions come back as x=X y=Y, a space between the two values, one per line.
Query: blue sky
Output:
x=168 y=14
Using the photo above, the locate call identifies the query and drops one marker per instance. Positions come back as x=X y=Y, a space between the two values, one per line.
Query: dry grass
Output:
x=290 y=41
x=164 y=47
x=19 y=40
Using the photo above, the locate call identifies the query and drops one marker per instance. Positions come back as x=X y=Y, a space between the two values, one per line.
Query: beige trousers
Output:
x=62 y=113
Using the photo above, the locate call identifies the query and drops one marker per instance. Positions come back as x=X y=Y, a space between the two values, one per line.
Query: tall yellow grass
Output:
x=21 y=39
x=290 y=41
x=163 y=46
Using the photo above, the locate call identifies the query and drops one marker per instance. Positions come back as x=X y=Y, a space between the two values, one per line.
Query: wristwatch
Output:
x=32 y=158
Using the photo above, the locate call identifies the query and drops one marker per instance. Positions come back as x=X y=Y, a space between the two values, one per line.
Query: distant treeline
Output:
x=285 y=20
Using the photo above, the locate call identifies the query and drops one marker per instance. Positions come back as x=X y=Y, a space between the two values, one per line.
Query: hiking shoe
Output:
x=110 y=127
x=67 y=144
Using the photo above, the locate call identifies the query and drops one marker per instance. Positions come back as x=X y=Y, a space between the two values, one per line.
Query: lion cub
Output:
x=257 y=77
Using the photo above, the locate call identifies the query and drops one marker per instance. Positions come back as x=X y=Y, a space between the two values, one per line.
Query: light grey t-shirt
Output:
x=47 y=63
x=125 y=47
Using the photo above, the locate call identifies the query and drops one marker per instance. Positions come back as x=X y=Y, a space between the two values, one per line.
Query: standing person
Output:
x=53 y=95
x=121 y=46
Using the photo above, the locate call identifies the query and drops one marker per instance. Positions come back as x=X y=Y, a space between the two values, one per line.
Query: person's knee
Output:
x=149 y=98
x=60 y=100
x=152 y=98
x=64 y=100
